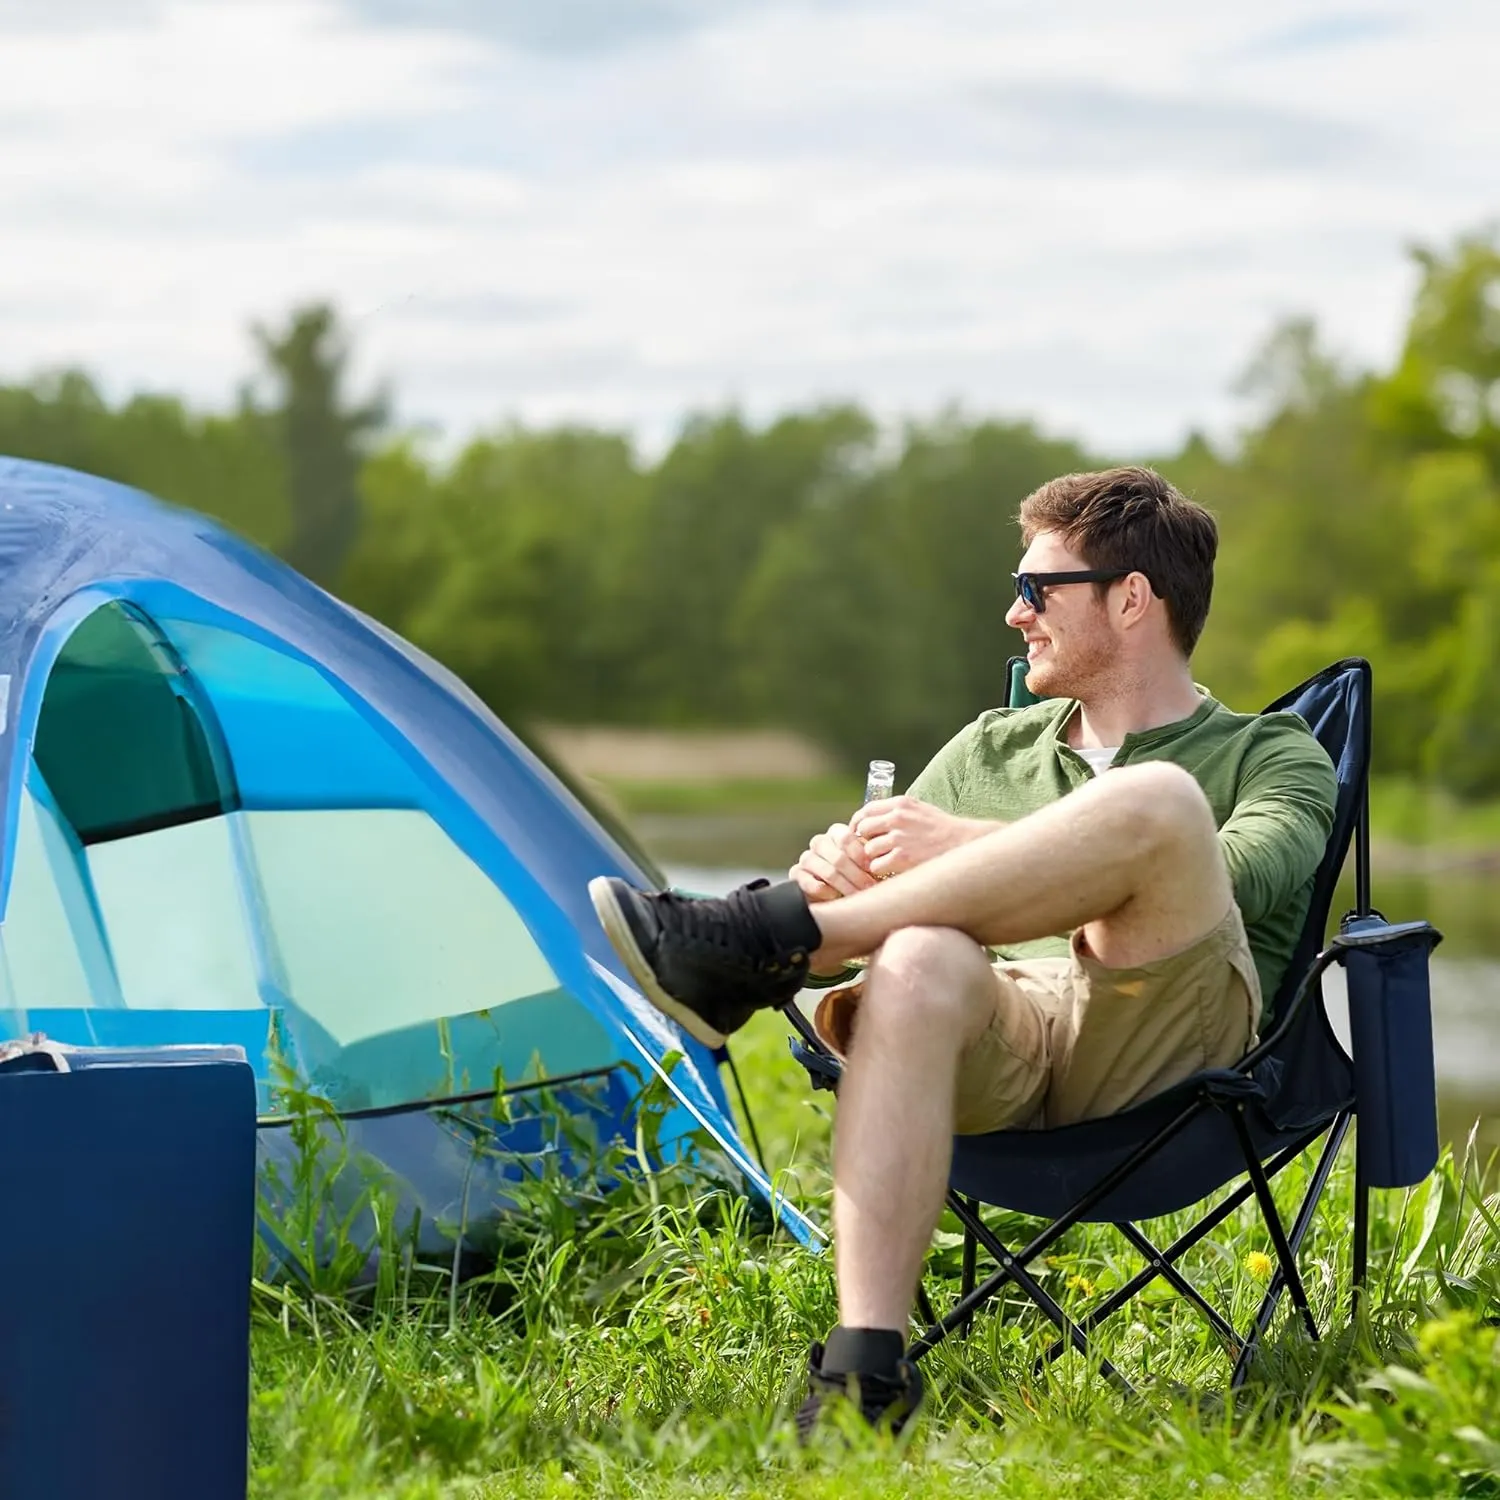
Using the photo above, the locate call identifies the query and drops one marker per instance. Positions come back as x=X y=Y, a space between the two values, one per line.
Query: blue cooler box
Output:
x=127 y=1219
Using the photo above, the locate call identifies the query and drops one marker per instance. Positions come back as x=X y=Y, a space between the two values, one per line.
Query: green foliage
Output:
x=517 y=566
x=820 y=573
x=877 y=619
x=1432 y=1430
x=720 y=497
x=226 y=466
x=1445 y=390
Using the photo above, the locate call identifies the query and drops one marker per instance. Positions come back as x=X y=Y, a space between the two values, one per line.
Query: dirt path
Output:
x=662 y=755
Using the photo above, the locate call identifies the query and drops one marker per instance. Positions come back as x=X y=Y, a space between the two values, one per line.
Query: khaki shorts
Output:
x=1072 y=1040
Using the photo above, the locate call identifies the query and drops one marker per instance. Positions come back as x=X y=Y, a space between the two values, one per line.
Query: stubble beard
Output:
x=1084 y=668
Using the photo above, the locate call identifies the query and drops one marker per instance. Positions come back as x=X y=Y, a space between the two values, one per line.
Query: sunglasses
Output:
x=1031 y=587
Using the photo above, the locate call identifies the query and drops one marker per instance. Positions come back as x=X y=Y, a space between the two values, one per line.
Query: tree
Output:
x=322 y=441
x=1463 y=749
x=1445 y=390
x=878 y=614
x=1310 y=518
x=512 y=565
x=223 y=465
x=712 y=506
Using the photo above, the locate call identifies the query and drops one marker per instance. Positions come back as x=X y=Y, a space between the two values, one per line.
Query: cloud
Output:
x=574 y=28
x=1069 y=124
x=196 y=74
x=556 y=26
x=1092 y=217
x=73 y=15
x=1327 y=32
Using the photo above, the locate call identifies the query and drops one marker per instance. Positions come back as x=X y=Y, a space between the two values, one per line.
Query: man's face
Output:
x=1070 y=645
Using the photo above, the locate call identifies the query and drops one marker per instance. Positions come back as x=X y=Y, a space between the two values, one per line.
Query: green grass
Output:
x=650 y=1342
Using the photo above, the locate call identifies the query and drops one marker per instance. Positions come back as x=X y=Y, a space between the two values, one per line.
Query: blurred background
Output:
x=673 y=369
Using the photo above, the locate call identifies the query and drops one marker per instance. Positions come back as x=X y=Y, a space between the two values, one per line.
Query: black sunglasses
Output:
x=1030 y=586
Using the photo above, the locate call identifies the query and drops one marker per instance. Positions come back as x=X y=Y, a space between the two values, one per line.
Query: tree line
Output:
x=822 y=572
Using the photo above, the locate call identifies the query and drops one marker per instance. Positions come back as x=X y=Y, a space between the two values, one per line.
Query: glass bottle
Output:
x=880 y=780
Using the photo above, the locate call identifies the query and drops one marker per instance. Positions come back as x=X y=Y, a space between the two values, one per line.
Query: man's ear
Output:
x=1135 y=598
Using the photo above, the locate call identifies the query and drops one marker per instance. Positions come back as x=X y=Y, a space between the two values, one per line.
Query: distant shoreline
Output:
x=1397 y=858
x=1417 y=832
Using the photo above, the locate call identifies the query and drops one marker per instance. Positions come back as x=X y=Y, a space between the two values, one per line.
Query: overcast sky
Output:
x=624 y=210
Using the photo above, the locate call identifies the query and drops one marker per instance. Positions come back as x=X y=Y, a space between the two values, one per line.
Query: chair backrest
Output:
x=1335 y=704
x=1017 y=694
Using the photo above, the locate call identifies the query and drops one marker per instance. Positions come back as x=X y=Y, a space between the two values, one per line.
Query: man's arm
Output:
x=941 y=781
x=1275 y=837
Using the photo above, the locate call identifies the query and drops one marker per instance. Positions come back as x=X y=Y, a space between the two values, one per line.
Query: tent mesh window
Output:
x=119 y=740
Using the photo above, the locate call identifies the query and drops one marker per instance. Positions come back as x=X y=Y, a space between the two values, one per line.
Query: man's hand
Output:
x=899 y=833
x=834 y=864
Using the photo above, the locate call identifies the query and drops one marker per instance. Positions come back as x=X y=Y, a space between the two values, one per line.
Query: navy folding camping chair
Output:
x=1296 y=1087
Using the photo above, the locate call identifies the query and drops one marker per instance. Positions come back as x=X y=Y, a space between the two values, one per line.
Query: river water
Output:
x=1464 y=905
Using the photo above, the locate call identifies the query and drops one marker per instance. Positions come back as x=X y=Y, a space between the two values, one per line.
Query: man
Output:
x=1077 y=904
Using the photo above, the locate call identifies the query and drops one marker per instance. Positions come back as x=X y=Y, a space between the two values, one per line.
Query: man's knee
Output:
x=1166 y=834
x=929 y=977
x=1166 y=802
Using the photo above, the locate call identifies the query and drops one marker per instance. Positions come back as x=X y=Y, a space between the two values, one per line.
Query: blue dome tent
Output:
x=237 y=811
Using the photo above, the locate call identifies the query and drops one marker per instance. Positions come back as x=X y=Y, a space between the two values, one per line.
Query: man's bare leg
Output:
x=928 y=993
x=1132 y=858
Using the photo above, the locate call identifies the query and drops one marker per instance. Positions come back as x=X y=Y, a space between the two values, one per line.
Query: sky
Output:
x=625 y=211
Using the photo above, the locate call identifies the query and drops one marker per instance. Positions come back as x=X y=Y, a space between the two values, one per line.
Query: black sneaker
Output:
x=882 y=1401
x=710 y=962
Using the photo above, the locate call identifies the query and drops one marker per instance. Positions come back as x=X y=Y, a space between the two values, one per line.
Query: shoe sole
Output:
x=617 y=929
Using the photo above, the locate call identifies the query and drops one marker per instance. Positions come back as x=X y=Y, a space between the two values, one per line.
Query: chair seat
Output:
x=1046 y=1172
x=1293 y=1094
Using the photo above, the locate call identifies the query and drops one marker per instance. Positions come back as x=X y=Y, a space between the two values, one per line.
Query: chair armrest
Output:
x=1375 y=932
x=823 y=1069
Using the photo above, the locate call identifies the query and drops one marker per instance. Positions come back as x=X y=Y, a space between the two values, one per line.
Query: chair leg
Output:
x=971 y=1246
x=1284 y=1255
x=1308 y=1208
x=1361 y=1235
x=1287 y=1247
x=925 y=1307
x=1173 y=1253
x=1012 y=1267
x=1159 y=1262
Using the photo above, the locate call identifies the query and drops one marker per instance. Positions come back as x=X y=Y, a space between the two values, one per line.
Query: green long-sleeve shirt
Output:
x=1269 y=783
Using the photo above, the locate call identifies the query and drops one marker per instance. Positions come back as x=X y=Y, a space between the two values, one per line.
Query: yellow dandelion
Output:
x=1259 y=1265
x=1081 y=1284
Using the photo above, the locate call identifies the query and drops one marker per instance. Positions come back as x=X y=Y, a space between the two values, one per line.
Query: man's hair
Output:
x=1131 y=518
